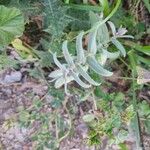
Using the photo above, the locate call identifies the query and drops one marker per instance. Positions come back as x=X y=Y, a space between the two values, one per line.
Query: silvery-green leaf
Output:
x=113 y=28
x=103 y=57
x=79 y=81
x=126 y=36
x=79 y=48
x=57 y=62
x=103 y=34
x=67 y=56
x=119 y=46
x=97 y=67
x=85 y=75
x=61 y=81
x=92 y=45
x=93 y=18
x=56 y=74
x=113 y=55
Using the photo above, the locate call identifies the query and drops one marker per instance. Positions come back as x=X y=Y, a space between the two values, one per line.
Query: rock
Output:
x=13 y=77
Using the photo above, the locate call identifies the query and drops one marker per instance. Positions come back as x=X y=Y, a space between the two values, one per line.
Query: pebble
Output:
x=13 y=77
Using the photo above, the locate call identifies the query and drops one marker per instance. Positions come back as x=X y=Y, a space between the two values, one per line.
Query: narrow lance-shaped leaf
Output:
x=61 y=81
x=79 y=81
x=126 y=36
x=103 y=33
x=119 y=46
x=92 y=62
x=56 y=74
x=79 y=48
x=94 y=18
x=56 y=61
x=113 y=55
x=67 y=56
x=113 y=28
x=103 y=57
x=92 y=46
x=86 y=76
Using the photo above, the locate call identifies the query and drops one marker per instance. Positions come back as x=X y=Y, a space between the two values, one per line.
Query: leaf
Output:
x=57 y=62
x=143 y=59
x=92 y=62
x=85 y=7
x=102 y=32
x=79 y=81
x=46 y=58
x=23 y=51
x=147 y=4
x=55 y=17
x=55 y=74
x=60 y=81
x=106 y=54
x=113 y=55
x=88 y=117
x=86 y=76
x=11 y=24
x=67 y=56
x=79 y=48
x=6 y=62
x=143 y=49
x=92 y=46
x=147 y=126
x=119 y=46
x=113 y=28
x=144 y=109
x=103 y=57
x=93 y=18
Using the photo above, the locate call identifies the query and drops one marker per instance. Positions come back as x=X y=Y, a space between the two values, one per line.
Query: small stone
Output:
x=13 y=77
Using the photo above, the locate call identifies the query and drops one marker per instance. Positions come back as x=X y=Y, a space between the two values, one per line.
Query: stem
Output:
x=105 y=5
x=85 y=7
x=70 y=121
x=94 y=101
x=99 y=23
x=134 y=101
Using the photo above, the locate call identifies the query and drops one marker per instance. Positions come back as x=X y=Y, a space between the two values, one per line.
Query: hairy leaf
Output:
x=92 y=62
x=79 y=81
x=92 y=45
x=86 y=76
x=79 y=48
x=67 y=56
x=119 y=46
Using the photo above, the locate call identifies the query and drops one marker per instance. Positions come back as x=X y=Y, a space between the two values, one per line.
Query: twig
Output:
x=70 y=120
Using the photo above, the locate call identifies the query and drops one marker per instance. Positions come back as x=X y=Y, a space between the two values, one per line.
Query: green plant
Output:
x=114 y=115
x=98 y=43
x=11 y=24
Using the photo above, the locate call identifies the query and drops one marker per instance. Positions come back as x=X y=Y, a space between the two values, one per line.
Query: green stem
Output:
x=85 y=7
x=105 y=5
x=94 y=101
x=134 y=101
x=70 y=121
